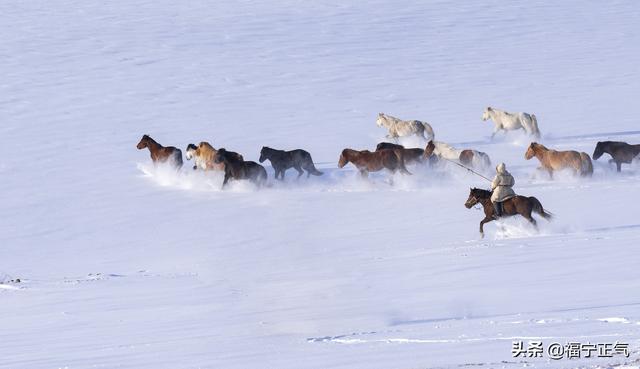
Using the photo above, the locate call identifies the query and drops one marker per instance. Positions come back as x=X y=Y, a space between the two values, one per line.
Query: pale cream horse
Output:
x=472 y=158
x=511 y=121
x=401 y=128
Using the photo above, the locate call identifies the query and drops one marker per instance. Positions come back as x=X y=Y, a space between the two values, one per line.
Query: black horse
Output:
x=237 y=169
x=282 y=160
x=522 y=205
x=621 y=152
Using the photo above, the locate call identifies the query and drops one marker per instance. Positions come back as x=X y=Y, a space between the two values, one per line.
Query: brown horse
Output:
x=161 y=154
x=621 y=152
x=412 y=155
x=522 y=205
x=552 y=160
x=367 y=161
x=238 y=169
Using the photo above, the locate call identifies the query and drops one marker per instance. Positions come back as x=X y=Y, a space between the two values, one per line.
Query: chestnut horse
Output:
x=522 y=205
x=161 y=154
x=621 y=152
x=552 y=160
x=413 y=155
x=367 y=161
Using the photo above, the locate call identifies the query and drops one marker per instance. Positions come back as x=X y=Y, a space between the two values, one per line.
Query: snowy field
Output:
x=125 y=266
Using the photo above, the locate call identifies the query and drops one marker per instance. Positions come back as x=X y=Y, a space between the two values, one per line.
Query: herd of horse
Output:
x=394 y=158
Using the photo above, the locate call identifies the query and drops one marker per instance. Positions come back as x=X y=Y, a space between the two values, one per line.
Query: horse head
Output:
x=597 y=153
x=475 y=196
x=485 y=113
x=191 y=151
x=381 y=119
x=220 y=156
x=531 y=151
x=471 y=200
x=144 y=142
x=263 y=154
x=343 y=159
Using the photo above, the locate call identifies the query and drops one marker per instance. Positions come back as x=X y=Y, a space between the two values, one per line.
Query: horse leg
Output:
x=619 y=166
x=364 y=174
x=482 y=223
x=496 y=129
x=227 y=175
x=532 y=220
x=300 y=171
x=550 y=171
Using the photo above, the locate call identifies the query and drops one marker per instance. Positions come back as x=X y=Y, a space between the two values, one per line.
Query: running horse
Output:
x=552 y=160
x=411 y=155
x=505 y=121
x=522 y=205
x=161 y=154
x=367 y=161
x=621 y=152
x=401 y=128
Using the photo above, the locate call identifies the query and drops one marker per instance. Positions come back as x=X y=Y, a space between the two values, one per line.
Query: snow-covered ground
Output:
x=125 y=266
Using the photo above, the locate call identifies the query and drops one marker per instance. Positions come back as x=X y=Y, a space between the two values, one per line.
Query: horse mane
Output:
x=346 y=151
x=390 y=118
x=535 y=144
x=206 y=144
x=151 y=140
x=484 y=194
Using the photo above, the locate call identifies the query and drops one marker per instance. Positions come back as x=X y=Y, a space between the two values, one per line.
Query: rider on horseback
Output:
x=502 y=188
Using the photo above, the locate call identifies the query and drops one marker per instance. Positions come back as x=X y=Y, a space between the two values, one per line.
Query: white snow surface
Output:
x=126 y=266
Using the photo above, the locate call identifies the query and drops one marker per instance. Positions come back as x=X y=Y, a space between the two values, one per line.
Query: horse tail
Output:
x=427 y=127
x=419 y=127
x=586 y=164
x=177 y=158
x=262 y=176
x=312 y=169
x=534 y=126
x=482 y=160
x=536 y=206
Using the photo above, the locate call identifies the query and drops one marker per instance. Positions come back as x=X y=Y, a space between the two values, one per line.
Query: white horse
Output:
x=400 y=128
x=511 y=121
x=473 y=158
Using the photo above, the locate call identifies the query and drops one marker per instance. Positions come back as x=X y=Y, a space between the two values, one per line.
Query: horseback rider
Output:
x=502 y=188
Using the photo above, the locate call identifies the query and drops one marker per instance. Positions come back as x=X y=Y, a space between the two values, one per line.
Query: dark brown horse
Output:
x=237 y=169
x=522 y=205
x=412 y=155
x=621 y=152
x=367 y=161
x=161 y=154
